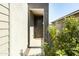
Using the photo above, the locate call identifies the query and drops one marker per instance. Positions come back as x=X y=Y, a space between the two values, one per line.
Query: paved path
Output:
x=33 y=52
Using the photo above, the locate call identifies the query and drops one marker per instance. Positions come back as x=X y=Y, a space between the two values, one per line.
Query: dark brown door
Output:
x=38 y=26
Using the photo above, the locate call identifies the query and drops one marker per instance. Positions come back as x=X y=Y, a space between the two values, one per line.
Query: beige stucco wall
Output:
x=18 y=28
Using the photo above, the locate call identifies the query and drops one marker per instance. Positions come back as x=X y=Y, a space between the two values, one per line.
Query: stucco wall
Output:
x=18 y=28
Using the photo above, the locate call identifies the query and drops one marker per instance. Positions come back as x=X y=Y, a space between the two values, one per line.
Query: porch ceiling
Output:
x=37 y=11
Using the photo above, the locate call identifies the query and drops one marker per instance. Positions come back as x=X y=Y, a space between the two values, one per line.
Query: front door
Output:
x=38 y=26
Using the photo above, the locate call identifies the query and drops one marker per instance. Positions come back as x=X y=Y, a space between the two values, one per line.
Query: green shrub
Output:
x=66 y=41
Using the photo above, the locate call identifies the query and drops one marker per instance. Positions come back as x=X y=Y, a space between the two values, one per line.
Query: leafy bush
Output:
x=66 y=41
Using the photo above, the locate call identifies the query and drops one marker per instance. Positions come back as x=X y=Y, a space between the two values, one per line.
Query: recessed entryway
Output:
x=36 y=27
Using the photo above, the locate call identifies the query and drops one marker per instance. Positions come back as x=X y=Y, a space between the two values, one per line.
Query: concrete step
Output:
x=34 y=52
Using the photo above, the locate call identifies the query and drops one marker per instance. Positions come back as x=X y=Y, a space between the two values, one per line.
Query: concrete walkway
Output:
x=33 y=52
x=35 y=47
